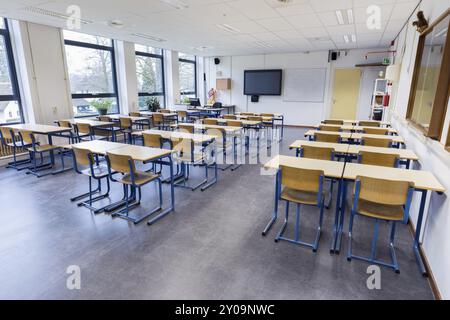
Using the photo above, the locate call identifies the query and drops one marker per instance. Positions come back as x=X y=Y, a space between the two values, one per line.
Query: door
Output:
x=345 y=93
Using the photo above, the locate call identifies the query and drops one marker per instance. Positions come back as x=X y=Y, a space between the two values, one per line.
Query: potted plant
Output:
x=102 y=106
x=153 y=104
x=186 y=101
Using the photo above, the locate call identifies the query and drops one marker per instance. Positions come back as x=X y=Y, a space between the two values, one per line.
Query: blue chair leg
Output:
x=392 y=248
x=374 y=240
x=283 y=227
x=350 y=232
x=319 y=228
x=297 y=224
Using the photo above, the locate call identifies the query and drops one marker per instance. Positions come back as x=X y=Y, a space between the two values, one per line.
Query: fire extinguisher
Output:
x=386 y=100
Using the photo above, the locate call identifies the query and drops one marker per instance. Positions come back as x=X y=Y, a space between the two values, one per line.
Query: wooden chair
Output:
x=153 y=141
x=369 y=123
x=111 y=130
x=182 y=116
x=210 y=121
x=158 y=120
x=380 y=131
x=85 y=132
x=247 y=113
x=85 y=163
x=126 y=127
x=331 y=121
x=378 y=159
x=380 y=199
x=37 y=149
x=374 y=142
x=303 y=187
x=164 y=111
x=223 y=145
x=186 y=128
x=325 y=137
x=324 y=127
x=229 y=116
x=131 y=180
x=9 y=139
x=186 y=156
x=134 y=114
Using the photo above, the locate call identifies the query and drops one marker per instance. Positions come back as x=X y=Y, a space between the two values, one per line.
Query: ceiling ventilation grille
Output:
x=148 y=37
x=53 y=14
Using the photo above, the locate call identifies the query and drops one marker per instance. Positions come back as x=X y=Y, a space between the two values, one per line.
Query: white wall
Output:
x=296 y=113
x=432 y=154
x=127 y=80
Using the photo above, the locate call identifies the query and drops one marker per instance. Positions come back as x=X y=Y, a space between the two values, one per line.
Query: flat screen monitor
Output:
x=262 y=82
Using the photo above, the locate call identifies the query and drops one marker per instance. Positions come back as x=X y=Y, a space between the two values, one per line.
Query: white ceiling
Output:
x=265 y=26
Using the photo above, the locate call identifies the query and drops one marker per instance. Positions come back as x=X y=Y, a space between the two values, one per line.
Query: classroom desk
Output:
x=245 y=117
x=423 y=182
x=134 y=120
x=165 y=115
x=337 y=147
x=331 y=169
x=353 y=128
x=46 y=130
x=342 y=135
x=356 y=122
x=395 y=139
x=404 y=154
x=279 y=117
x=197 y=126
x=168 y=135
x=391 y=131
x=207 y=111
x=94 y=123
x=245 y=123
x=137 y=153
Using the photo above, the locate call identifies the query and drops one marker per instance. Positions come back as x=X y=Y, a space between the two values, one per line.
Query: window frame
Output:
x=194 y=62
x=111 y=49
x=155 y=94
x=441 y=97
x=12 y=73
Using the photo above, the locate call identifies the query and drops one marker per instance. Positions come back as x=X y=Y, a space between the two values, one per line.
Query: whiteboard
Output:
x=305 y=85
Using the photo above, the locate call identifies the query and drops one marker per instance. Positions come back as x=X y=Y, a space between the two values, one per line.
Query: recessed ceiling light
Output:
x=177 y=4
x=263 y=44
x=228 y=28
x=339 y=17
x=148 y=37
x=346 y=39
x=350 y=16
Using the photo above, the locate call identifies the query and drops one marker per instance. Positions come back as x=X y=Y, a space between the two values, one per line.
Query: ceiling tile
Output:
x=275 y=24
x=254 y=9
x=295 y=10
x=304 y=21
x=327 y=5
x=341 y=30
x=314 y=32
x=266 y=36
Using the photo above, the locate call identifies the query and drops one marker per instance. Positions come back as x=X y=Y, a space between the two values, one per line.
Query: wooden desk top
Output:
x=198 y=138
x=338 y=147
x=359 y=136
x=245 y=117
x=97 y=146
x=198 y=126
x=403 y=153
x=207 y=109
x=91 y=122
x=359 y=128
x=150 y=113
x=38 y=128
x=351 y=127
x=244 y=122
x=423 y=180
x=134 y=119
x=356 y=122
x=276 y=115
x=344 y=135
x=141 y=153
x=332 y=169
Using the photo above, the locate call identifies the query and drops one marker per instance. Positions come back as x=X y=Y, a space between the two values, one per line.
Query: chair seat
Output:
x=380 y=211
x=198 y=157
x=140 y=178
x=100 y=171
x=19 y=144
x=45 y=147
x=297 y=196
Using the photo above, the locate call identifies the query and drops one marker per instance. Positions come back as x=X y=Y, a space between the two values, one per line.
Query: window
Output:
x=92 y=72
x=10 y=106
x=150 y=75
x=188 y=76
x=430 y=87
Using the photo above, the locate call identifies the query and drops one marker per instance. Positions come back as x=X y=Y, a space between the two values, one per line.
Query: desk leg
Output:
x=172 y=196
x=336 y=217
x=417 y=235
x=52 y=154
x=275 y=212
x=341 y=217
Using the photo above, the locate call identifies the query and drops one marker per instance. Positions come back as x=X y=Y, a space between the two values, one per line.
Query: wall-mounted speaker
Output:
x=216 y=61
x=255 y=99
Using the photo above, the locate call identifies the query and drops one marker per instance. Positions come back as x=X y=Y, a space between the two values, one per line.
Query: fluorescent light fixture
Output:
x=346 y=39
x=177 y=4
x=350 y=16
x=148 y=37
x=339 y=17
x=353 y=38
x=263 y=44
x=228 y=28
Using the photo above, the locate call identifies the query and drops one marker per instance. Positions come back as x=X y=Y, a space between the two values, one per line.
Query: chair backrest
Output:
x=164 y=110
x=183 y=146
x=324 y=137
x=152 y=140
x=255 y=118
x=301 y=179
x=121 y=163
x=210 y=121
x=381 y=131
x=331 y=121
x=6 y=134
x=186 y=128
x=369 y=123
x=84 y=128
x=388 y=192
x=125 y=123
x=134 y=114
x=217 y=105
x=235 y=123
x=317 y=153
x=229 y=116
x=219 y=133
x=247 y=113
x=27 y=137
x=324 y=127
x=83 y=157
x=267 y=115
x=378 y=159
x=104 y=118
x=64 y=124
x=182 y=114
x=158 y=118
x=374 y=142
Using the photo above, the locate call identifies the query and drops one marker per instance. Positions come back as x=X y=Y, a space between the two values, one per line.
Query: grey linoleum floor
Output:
x=209 y=248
